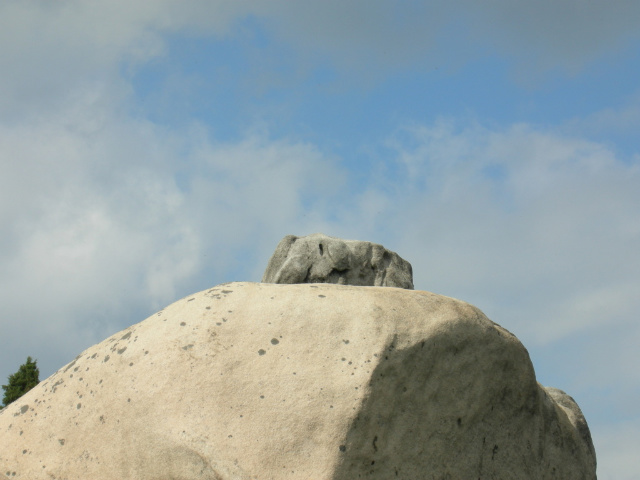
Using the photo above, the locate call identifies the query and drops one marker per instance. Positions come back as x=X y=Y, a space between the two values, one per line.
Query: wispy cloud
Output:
x=478 y=208
x=105 y=222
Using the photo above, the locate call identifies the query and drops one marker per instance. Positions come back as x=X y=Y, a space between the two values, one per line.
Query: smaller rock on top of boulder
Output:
x=319 y=258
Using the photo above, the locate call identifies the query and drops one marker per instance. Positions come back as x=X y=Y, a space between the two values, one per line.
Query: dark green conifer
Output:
x=21 y=382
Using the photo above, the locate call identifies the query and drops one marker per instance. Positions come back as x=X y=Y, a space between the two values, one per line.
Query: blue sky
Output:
x=153 y=149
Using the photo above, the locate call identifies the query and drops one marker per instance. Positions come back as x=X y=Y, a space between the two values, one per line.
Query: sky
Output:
x=153 y=149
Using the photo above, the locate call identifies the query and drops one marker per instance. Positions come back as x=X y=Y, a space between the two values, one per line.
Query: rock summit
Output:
x=319 y=258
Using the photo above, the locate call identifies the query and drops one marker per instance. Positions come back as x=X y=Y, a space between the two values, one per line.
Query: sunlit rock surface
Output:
x=319 y=381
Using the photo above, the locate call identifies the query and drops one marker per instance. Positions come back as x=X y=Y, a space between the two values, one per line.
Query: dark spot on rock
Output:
x=61 y=441
x=78 y=406
x=322 y=296
x=126 y=336
x=343 y=448
x=182 y=324
x=121 y=350
x=459 y=422
x=106 y=359
x=24 y=451
x=131 y=364
x=494 y=451
x=188 y=347
x=94 y=355
x=274 y=341
x=24 y=409
x=227 y=291
x=261 y=352
x=191 y=299
x=346 y=342
x=208 y=308
x=69 y=366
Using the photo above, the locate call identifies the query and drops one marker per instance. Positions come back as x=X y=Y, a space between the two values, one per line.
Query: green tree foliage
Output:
x=21 y=382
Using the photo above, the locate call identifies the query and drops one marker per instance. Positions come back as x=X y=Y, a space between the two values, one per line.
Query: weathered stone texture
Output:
x=263 y=381
x=318 y=258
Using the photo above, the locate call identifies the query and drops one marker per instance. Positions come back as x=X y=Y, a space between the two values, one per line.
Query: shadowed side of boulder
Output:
x=463 y=403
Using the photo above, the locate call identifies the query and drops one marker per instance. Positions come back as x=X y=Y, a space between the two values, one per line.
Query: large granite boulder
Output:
x=318 y=258
x=319 y=381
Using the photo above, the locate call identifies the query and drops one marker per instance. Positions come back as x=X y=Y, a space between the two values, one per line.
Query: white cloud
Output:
x=616 y=125
x=537 y=228
x=105 y=218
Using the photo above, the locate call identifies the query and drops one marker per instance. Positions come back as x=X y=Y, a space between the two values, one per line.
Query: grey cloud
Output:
x=379 y=35
x=51 y=51
x=565 y=34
